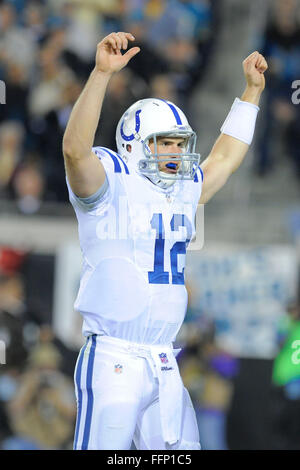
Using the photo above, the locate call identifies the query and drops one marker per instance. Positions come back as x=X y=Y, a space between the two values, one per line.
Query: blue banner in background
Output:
x=246 y=292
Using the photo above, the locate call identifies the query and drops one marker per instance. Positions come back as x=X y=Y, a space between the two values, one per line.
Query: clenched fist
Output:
x=109 y=58
x=254 y=67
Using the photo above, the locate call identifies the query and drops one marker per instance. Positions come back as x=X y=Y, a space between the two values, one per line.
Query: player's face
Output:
x=169 y=145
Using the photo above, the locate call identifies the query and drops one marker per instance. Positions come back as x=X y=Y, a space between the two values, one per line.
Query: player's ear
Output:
x=128 y=148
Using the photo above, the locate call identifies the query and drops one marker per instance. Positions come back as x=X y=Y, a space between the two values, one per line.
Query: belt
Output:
x=161 y=359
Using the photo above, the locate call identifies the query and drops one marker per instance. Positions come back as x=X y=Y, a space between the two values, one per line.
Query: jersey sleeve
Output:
x=101 y=200
x=89 y=203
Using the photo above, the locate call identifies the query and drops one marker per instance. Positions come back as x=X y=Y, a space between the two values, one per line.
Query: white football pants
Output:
x=117 y=396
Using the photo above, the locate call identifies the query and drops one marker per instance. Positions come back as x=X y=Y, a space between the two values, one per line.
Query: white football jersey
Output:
x=133 y=242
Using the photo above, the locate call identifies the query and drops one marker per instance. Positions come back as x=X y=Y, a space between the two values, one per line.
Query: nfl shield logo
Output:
x=118 y=369
x=163 y=358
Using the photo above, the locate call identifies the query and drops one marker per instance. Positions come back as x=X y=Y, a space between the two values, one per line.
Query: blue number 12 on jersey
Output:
x=158 y=275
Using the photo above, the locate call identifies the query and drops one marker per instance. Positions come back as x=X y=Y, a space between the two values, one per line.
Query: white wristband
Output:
x=240 y=121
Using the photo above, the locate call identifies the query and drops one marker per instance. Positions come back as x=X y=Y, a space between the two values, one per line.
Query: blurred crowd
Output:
x=37 y=401
x=47 y=51
x=44 y=63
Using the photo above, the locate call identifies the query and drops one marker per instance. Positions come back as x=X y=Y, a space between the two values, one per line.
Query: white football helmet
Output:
x=148 y=119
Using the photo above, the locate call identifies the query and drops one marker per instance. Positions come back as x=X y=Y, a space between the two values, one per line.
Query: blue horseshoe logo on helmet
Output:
x=137 y=126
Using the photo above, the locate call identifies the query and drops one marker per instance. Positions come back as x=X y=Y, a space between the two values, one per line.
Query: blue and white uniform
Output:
x=133 y=243
x=133 y=236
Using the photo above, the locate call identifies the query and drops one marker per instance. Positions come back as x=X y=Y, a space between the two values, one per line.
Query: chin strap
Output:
x=162 y=183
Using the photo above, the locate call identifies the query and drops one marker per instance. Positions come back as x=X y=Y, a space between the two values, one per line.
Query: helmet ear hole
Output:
x=128 y=148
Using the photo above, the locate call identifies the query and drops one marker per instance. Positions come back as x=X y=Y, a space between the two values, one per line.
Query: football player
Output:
x=135 y=210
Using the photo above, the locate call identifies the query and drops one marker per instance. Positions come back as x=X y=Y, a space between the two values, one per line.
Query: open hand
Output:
x=109 y=58
x=254 y=67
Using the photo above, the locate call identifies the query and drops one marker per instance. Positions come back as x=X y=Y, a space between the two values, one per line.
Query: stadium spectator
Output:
x=42 y=411
x=151 y=62
x=11 y=140
x=49 y=142
x=184 y=32
x=162 y=86
x=49 y=83
x=28 y=186
x=17 y=89
x=16 y=41
x=34 y=19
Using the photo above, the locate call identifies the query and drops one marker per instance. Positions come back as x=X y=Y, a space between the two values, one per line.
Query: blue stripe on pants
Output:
x=90 y=395
x=79 y=393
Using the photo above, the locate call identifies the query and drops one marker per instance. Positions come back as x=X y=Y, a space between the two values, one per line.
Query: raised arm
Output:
x=84 y=170
x=228 y=152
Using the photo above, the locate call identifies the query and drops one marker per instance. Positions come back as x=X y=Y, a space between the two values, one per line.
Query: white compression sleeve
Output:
x=240 y=121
